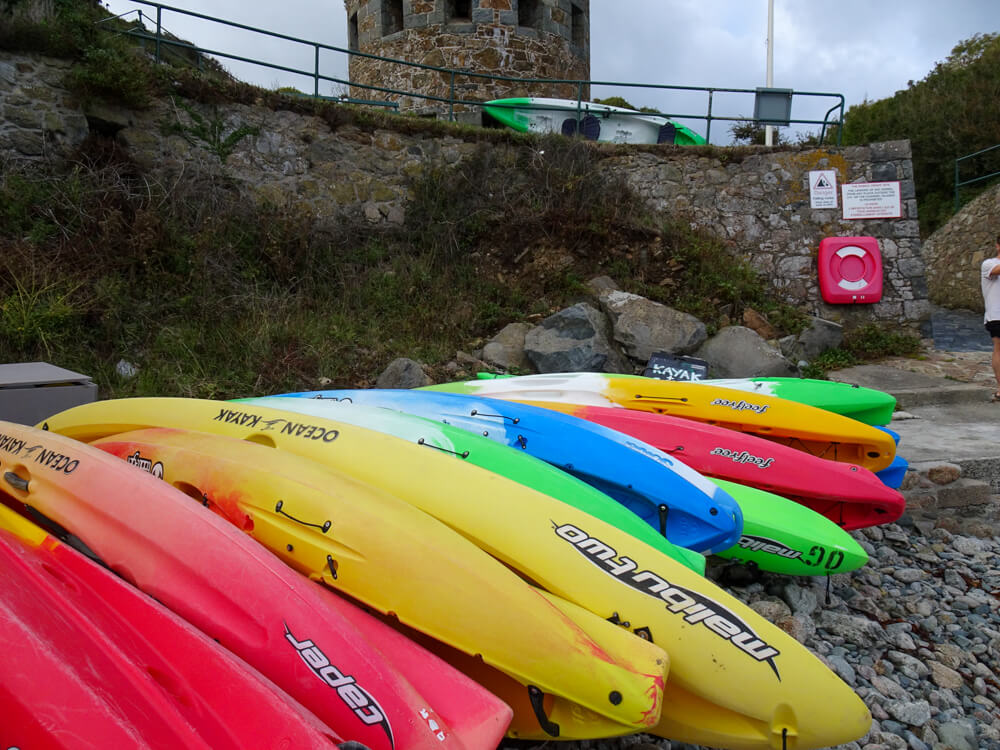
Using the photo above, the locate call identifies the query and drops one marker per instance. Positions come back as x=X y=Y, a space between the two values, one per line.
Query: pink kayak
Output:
x=90 y=662
x=357 y=675
x=849 y=495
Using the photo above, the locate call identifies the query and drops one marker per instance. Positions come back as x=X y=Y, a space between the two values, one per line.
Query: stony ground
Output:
x=916 y=633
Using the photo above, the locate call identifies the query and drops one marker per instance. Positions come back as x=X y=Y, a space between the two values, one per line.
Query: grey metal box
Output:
x=32 y=391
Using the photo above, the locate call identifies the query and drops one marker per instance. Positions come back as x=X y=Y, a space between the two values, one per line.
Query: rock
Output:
x=643 y=327
x=813 y=341
x=576 y=339
x=126 y=369
x=945 y=677
x=944 y=473
x=506 y=349
x=601 y=284
x=738 y=352
x=759 y=324
x=957 y=735
x=403 y=373
x=858 y=630
x=913 y=713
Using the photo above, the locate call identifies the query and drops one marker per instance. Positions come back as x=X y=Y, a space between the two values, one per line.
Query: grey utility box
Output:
x=32 y=391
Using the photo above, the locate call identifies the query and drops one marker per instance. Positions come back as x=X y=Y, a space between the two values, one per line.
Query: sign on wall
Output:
x=823 y=188
x=872 y=200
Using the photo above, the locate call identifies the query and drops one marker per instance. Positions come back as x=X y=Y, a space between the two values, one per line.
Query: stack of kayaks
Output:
x=450 y=568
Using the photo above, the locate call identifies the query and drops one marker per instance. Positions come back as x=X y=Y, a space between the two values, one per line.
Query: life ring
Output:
x=850 y=270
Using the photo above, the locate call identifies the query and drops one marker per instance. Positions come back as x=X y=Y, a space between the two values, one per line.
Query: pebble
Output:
x=916 y=633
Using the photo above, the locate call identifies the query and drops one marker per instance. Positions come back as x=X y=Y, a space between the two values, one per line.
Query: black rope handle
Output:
x=477 y=413
x=463 y=454
x=324 y=528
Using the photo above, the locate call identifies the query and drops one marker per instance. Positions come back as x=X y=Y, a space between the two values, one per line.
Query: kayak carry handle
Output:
x=463 y=454
x=324 y=528
x=536 y=696
x=477 y=413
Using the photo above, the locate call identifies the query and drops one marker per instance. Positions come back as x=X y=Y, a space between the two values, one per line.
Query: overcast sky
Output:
x=863 y=49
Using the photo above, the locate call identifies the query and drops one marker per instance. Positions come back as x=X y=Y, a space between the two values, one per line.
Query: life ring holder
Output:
x=850 y=270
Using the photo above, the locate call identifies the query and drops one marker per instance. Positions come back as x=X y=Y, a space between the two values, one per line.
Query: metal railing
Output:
x=959 y=183
x=159 y=39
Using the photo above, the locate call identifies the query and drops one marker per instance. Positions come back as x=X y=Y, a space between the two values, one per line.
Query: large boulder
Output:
x=643 y=327
x=403 y=373
x=576 y=339
x=738 y=352
x=813 y=341
x=506 y=349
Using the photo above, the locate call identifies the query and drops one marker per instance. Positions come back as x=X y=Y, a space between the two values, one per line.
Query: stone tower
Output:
x=514 y=38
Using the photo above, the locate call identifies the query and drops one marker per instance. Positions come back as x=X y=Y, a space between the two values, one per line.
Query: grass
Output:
x=865 y=343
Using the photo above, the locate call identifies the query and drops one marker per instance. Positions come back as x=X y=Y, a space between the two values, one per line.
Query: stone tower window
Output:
x=392 y=16
x=352 y=32
x=527 y=13
x=459 y=10
x=578 y=27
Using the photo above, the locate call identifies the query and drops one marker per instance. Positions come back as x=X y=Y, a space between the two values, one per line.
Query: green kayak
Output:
x=781 y=536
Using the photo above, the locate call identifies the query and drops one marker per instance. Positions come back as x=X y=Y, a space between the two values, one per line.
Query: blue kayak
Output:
x=674 y=499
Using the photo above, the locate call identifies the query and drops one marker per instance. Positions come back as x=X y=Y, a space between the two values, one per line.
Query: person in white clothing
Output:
x=990 y=282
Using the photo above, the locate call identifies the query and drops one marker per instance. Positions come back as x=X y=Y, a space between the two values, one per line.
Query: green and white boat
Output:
x=596 y=122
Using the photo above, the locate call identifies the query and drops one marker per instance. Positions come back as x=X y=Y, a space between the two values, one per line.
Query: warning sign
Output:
x=872 y=200
x=823 y=188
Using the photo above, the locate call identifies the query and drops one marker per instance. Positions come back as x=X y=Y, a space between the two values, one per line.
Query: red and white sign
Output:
x=872 y=200
x=850 y=270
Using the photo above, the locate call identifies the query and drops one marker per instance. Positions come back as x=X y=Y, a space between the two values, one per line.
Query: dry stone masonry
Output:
x=521 y=39
x=756 y=199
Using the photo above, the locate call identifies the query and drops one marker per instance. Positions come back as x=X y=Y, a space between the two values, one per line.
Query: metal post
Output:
x=769 y=129
x=956 y=184
x=316 y=72
x=159 y=16
x=708 y=119
x=451 y=99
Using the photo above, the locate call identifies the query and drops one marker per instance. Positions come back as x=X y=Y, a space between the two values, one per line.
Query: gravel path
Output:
x=916 y=633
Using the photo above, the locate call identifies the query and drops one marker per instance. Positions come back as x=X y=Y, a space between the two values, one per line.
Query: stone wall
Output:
x=760 y=204
x=489 y=41
x=757 y=200
x=954 y=252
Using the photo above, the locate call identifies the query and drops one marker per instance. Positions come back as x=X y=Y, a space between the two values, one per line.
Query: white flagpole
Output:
x=769 y=129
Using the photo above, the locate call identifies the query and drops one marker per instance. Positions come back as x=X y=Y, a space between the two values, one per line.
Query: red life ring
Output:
x=850 y=270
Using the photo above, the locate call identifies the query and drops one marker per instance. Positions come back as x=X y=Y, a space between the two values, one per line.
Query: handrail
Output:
x=959 y=183
x=451 y=100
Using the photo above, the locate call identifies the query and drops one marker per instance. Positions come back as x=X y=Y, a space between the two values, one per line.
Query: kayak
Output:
x=868 y=405
x=816 y=431
x=781 y=536
x=400 y=561
x=88 y=661
x=487 y=454
x=714 y=640
x=674 y=500
x=598 y=122
x=239 y=594
x=849 y=495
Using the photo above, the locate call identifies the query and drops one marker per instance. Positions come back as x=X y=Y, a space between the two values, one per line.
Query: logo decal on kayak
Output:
x=695 y=608
x=284 y=426
x=741 y=405
x=743 y=457
x=39 y=454
x=348 y=690
x=769 y=546
x=146 y=464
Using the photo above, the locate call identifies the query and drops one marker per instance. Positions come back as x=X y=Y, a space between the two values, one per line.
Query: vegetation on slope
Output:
x=954 y=111
x=209 y=296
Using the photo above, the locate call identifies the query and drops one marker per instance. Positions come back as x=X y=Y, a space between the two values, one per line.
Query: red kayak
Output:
x=357 y=675
x=90 y=662
x=849 y=495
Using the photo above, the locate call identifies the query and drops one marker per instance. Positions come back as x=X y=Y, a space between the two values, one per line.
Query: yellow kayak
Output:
x=735 y=680
x=404 y=563
x=816 y=431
